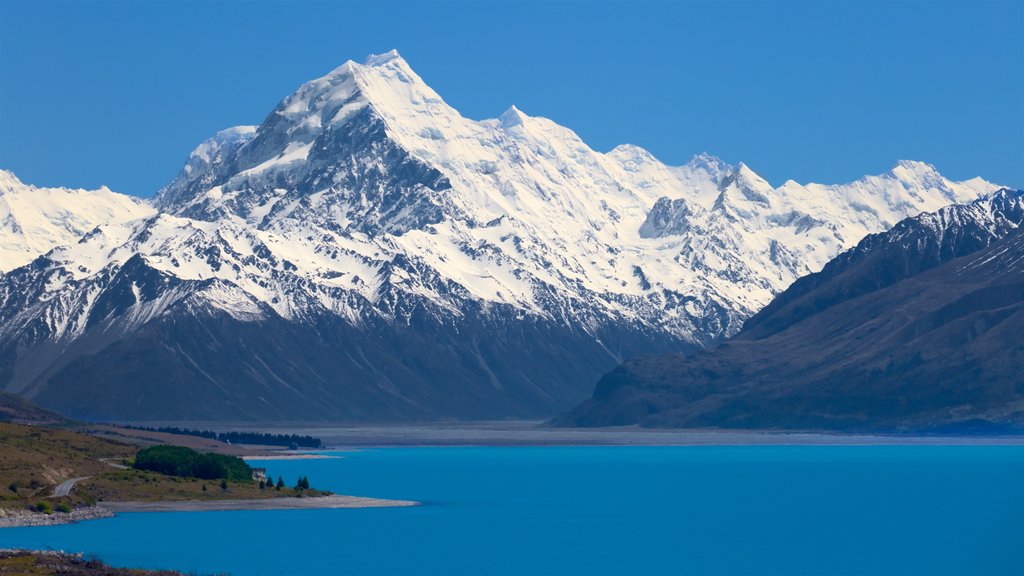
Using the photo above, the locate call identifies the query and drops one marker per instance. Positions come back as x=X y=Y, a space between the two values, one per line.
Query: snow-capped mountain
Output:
x=437 y=265
x=916 y=328
x=34 y=220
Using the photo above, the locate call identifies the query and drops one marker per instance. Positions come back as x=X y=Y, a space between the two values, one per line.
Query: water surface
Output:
x=956 y=510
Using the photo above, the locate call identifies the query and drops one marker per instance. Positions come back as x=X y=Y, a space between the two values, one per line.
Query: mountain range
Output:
x=920 y=328
x=368 y=253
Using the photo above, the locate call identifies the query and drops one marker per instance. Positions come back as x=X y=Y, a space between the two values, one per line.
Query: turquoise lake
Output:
x=788 y=510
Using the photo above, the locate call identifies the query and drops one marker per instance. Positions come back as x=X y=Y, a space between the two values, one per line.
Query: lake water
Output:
x=864 y=510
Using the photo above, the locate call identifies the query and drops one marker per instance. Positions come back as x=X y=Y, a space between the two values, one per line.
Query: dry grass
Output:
x=150 y=438
x=141 y=486
x=34 y=459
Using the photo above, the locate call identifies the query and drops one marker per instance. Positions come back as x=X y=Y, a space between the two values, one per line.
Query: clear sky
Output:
x=118 y=93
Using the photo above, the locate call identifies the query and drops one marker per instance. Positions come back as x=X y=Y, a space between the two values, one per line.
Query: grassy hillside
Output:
x=35 y=459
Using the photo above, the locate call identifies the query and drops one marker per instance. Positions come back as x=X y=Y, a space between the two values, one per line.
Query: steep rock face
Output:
x=440 y=266
x=918 y=328
x=34 y=220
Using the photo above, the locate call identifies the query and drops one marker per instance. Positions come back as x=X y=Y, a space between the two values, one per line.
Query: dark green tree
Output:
x=182 y=461
x=280 y=482
x=223 y=484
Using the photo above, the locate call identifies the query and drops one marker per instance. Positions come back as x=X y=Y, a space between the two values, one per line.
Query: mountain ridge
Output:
x=916 y=329
x=366 y=208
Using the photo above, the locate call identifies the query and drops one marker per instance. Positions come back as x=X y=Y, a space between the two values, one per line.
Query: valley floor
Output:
x=536 y=433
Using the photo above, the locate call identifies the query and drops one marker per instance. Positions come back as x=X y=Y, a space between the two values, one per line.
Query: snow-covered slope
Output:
x=370 y=160
x=34 y=220
x=515 y=261
x=918 y=328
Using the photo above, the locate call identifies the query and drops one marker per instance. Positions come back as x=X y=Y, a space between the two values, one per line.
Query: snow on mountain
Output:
x=915 y=328
x=364 y=202
x=34 y=220
x=547 y=210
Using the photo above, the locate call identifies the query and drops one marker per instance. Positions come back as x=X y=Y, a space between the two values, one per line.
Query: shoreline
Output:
x=334 y=501
x=300 y=456
x=21 y=518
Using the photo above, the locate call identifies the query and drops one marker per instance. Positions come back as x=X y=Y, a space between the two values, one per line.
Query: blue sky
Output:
x=118 y=93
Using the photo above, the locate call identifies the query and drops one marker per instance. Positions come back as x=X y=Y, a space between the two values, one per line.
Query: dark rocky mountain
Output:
x=920 y=328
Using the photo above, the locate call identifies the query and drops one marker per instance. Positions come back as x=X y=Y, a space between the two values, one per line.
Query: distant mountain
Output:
x=367 y=253
x=918 y=328
x=35 y=220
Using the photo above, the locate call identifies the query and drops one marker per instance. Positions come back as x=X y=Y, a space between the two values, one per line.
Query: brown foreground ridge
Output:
x=47 y=562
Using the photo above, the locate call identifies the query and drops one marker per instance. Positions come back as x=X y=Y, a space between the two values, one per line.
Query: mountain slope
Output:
x=917 y=328
x=438 y=266
x=34 y=220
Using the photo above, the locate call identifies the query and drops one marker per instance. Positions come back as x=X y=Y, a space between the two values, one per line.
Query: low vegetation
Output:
x=35 y=459
x=35 y=563
x=143 y=486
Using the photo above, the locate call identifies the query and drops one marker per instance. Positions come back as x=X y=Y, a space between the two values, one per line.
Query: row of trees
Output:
x=262 y=438
x=183 y=461
x=302 y=484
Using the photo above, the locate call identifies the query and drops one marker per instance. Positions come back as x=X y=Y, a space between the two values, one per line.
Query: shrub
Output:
x=44 y=507
x=62 y=507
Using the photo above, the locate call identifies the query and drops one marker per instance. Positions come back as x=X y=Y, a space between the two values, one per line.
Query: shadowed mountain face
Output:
x=368 y=253
x=17 y=410
x=919 y=328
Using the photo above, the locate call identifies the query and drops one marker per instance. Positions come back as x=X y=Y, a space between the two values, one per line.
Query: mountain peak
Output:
x=382 y=59
x=8 y=180
x=705 y=160
x=743 y=175
x=914 y=171
x=512 y=117
x=712 y=165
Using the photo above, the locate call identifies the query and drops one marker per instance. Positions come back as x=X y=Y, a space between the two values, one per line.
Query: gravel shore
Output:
x=10 y=518
x=333 y=501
